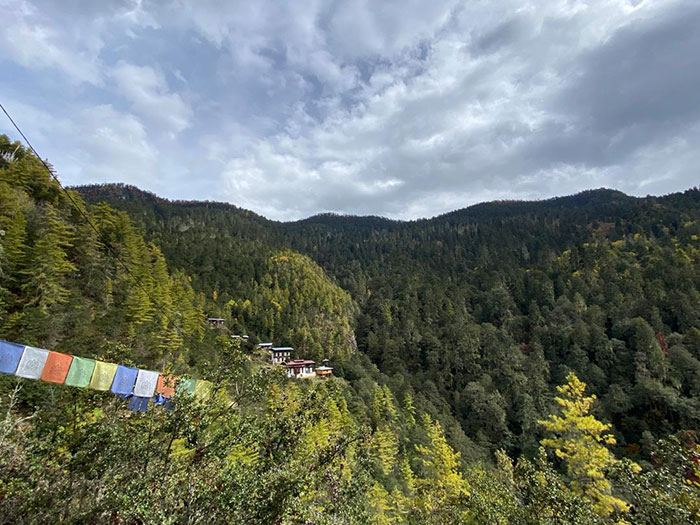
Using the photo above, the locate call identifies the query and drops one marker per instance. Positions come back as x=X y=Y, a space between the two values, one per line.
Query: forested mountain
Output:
x=67 y=285
x=462 y=347
x=485 y=309
x=82 y=280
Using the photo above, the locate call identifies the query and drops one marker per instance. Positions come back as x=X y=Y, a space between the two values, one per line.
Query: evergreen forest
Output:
x=510 y=362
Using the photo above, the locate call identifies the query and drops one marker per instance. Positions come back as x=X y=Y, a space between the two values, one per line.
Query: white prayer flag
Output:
x=32 y=363
x=146 y=383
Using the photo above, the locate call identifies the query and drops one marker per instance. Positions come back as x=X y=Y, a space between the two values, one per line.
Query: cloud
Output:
x=27 y=40
x=639 y=87
x=405 y=109
x=147 y=91
x=95 y=144
x=113 y=146
x=525 y=107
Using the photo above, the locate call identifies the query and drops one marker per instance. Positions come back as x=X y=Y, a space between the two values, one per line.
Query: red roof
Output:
x=299 y=363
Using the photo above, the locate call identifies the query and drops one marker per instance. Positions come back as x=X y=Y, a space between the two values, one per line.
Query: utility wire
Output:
x=87 y=219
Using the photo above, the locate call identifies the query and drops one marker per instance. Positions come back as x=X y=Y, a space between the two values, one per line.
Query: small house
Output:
x=324 y=371
x=281 y=354
x=265 y=346
x=300 y=368
x=216 y=322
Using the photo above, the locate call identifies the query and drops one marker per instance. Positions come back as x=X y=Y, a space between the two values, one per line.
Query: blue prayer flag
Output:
x=10 y=354
x=138 y=404
x=124 y=380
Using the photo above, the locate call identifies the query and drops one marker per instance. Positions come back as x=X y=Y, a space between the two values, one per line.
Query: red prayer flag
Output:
x=56 y=367
x=166 y=385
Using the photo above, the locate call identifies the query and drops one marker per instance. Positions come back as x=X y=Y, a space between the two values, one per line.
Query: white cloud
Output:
x=114 y=146
x=95 y=144
x=458 y=131
x=148 y=92
x=33 y=44
x=399 y=108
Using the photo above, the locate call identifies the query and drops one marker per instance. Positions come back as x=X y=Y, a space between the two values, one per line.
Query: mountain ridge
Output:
x=598 y=196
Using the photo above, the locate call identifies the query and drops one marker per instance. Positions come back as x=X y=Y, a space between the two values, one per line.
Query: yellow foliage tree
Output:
x=380 y=502
x=385 y=447
x=444 y=486
x=581 y=443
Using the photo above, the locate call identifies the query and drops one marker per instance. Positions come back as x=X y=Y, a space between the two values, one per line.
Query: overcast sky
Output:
x=406 y=108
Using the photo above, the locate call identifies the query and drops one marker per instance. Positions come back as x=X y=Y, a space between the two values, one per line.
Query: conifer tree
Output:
x=48 y=264
x=441 y=487
x=13 y=222
x=580 y=441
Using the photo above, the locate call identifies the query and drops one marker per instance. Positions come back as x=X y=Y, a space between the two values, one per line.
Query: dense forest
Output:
x=506 y=363
x=482 y=311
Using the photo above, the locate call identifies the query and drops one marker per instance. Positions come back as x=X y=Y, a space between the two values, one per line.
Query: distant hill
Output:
x=597 y=198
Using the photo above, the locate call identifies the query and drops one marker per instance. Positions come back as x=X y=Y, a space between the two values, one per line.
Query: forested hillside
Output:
x=82 y=280
x=450 y=339
x=66 y=285
x=484 y=310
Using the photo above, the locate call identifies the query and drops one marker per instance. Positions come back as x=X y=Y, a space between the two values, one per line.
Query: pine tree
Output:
x=379 y=500
x=441 y=487
x=581 y=443
x=13 y=207
x=48 y=264
x=409 y=409
x=385 y=447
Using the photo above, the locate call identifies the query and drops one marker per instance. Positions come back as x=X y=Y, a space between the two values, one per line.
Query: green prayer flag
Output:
x=186 y=385
x=80 y=372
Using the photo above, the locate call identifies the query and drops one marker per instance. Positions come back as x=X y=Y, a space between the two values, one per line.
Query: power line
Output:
x=87 y=219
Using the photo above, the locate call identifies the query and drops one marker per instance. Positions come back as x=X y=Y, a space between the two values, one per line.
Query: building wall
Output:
x=280 y=358
x=305 y=371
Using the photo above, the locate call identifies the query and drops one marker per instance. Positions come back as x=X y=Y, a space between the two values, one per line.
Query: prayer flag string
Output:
x=140 y=386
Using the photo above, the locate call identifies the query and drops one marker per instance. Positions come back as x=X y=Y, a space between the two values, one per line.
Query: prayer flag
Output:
x=138 y=404
x=80 y=372
x=10 y=354
x=124 y=380
x=202 y=390
x=186 y=385
x=146 y=383
x=166 y=385
x=32 y=362
x=103 y=375
x=56 y=367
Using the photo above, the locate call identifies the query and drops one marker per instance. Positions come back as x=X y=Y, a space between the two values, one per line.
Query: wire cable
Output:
x=87 y=219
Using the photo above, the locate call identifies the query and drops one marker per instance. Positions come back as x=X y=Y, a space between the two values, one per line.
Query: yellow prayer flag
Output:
x=103 y=375
x=202 y=389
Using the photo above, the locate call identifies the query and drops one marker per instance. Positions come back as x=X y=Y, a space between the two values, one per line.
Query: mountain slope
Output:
x=259 y=449
x=485 y=309
x=365 y=447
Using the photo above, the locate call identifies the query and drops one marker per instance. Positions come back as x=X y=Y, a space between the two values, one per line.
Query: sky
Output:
x=404 y=109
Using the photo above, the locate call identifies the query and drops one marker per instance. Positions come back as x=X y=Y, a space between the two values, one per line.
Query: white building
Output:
x=216 y=322
x=279 y=355
x=300 y=368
